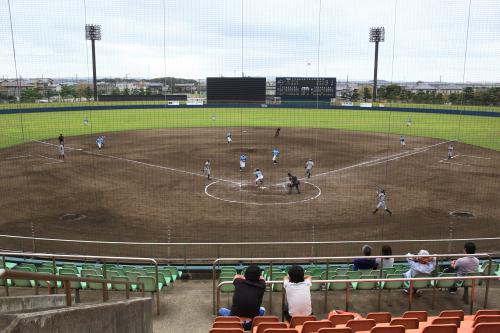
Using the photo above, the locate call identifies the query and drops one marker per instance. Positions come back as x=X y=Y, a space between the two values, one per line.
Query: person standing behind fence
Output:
x=298 y=293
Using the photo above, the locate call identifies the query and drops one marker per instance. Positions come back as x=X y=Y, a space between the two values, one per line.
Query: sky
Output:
x=424 y=40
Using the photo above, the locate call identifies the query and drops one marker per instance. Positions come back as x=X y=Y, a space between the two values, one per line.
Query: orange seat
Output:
x=227 y=319
x=486 y=312
x=340 y=319
x=361 y=324
x=226 y=330
x=264 y=326
x=300 y=320
x=448 y=328
x=420 y=315
x=388 y=329
x=335 y=330
x=446 y=320
x=487 y=328
x=408 y=323
x=281 y=330
x=453 y=313
x=227 y=324
x=486 y=319
x=314 y=326
x=264 y=319
x=379 y=317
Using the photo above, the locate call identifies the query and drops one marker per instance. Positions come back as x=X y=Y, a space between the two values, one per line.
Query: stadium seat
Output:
x=120 y=286
x=339 y=285
x=335 y=330
x=227 y=288
x=379 y=317
x=486 y=312
x=340 y=319
x=446 y=320
x=278 y=276
x=444 y=284
x=227 y=324
x=448 y=328
x=281 y=330
x=300 y=320
x=331 y=274
x=487 y=328
x=368 y=285
x=149 y=283
x=227 y=319
x=314 y=326
x=408 y=323
x=361 y=324
x=86 y=271
x=161 y=278
x=68 y=270
x=315 y=286
x=46 y=270
x=263 y=319
x=453 y=313
x=388 y=329
x=342 y=271
x=260 y=328
x=74 y=284
x=23 y=282
x=226 y=330
x=95 y=285
x=420 y=315
x=175 y=272
x=486 y=319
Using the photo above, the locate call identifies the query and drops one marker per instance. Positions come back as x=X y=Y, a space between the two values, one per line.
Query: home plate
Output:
x=262 y=187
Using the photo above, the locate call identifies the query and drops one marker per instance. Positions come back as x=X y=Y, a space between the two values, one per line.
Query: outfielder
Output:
x=309 y=167
x=86 y=121
x=243 y=161
x=450 y=151
x=100 y=142
x=259 y=177
x=276 y=152
x=207 y=169
x=293 y=181
x=381 y=202
x=229 y=137
x=408 y=122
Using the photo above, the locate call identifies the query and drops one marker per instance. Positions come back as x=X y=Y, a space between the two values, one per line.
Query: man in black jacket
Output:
x=247 y=297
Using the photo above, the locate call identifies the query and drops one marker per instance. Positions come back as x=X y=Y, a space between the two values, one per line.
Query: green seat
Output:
x=168 y=276
x=68 y=270
x=120 y=286
x=86 y=271
x=389 y=270
x=97 y=268
x=161 y=278
x=342 y=270
x=441 y=284
x=226 y=275
x=393 y=284
x=331 y=274
x=23 y=282
x=149 y=283
x=43 y=283
x=176 y=274
x=278 y=276
x=376 y=272
x=75 y=284
x=95 y=285
x=354 y=275
x=31 y=267
x=419 y=284
x=316 y=285
x=365 y=285
x=229 y=270
x=338 y=285
x=45 y=269
x=228 y=288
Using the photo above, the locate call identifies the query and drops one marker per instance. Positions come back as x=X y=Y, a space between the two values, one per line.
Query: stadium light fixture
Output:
x=93 y=33
x=377 y=35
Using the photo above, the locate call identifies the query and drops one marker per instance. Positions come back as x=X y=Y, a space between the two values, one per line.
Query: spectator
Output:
x=247 y=297
x=464 y=265
x=385 y=262
x=298 y=293
x=365 y=263
x=422 y=265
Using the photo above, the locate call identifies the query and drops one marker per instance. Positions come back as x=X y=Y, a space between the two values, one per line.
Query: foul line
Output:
x=17 y=157
x=484 y=158
x=52 y=144
x=264 y=203
x=445 y=161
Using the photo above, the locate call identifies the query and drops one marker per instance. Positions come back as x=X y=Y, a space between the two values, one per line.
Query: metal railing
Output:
x=212 y=250
x=411 y=282
x=103 y=260
x=327 y=261
x=66 y=280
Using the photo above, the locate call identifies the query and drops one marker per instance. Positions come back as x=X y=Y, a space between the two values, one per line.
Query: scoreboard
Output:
x=306 y=87
x=236 y=90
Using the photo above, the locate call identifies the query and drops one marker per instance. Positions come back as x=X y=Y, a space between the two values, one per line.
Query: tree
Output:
x=468 y=95
x=67 y=91
x=367 y=94
x=126 y=92
x=88 y=93
x=30 y=95
x=115 y=92
x=355 y=95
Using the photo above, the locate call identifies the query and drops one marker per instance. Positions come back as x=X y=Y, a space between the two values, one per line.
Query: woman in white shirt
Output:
x=386 y=262
x=298 y=293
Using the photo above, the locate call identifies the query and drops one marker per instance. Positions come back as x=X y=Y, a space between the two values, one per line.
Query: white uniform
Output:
x=402 y=141
x=450 y=151
x=207 y=169
x=61 y=151
x=309 y=166
x=259 y=177
x=381 y=200
x=229 y=137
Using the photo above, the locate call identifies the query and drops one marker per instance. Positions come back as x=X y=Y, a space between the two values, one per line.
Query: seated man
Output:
x=365 y=263
x=247 y=297
x=464 y=266
x=422 y=265
x=298 y=294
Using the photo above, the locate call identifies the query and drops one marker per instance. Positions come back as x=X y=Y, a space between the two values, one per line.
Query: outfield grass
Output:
x=476 y=130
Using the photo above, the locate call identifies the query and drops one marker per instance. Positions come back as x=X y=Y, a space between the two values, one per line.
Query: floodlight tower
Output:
x=377 y=35
x=93 y=33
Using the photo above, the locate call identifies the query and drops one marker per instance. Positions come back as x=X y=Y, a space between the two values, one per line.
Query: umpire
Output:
x=293 y=181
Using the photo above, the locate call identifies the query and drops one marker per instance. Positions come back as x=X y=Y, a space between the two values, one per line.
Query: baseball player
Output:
x=309 y=167
x=277 y=133
x=100 y=142
x=276 y=152
x=229 y=137
x=450 y=151
x=61 y=151
x=293 y=181
x=381 y=202
x=61 y=139
x=408 y=122
x=86 y=121
x=402 y=141
x=243 y=161
x=259 y=177
x=207 y=169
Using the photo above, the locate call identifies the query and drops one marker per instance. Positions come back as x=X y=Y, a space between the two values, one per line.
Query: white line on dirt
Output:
x=50 y=158
x=52 y=144
x=17 y=157
x=484 y=158
x=456 y=163
x=53 y=162
x=264 y=203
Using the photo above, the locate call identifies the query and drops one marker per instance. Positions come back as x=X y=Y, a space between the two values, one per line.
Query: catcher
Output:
x=293 y=181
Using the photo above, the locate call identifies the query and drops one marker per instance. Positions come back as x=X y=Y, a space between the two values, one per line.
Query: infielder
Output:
x=381 y=202
x=402 y=141
x=243 y=162
x=259 y=177
x=276 y=152
x=450 y=151
x=309 y=167
x=293 y=181
x=61 y=151
x=277 y=133
x=229 y=137
x=100 y=142
x=207 y=169
x=61 y=139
